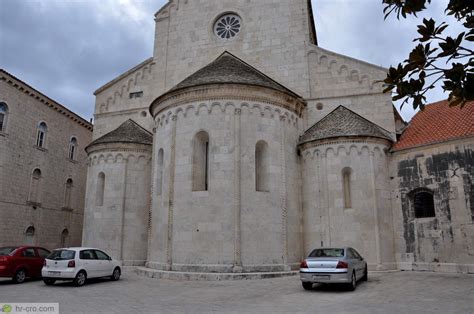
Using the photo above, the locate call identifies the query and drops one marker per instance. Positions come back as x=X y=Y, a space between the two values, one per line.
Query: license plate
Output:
x=321 y=277
x=54 y=272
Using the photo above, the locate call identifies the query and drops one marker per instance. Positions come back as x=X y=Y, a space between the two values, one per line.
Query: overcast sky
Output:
x=68 y=48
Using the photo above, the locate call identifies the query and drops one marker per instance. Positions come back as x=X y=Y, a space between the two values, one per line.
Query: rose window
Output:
x=227 y=26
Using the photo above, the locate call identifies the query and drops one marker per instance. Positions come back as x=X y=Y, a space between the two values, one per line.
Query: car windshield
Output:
x=4 y=251
x=60 y=255
x=327 y=253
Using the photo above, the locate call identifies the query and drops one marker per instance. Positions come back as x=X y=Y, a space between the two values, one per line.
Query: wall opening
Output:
x=3 y=116
x=68 y=193
x=201 y=162
x=41 y=135
x=423 y=204
x=35 y=186
x=72 y=148
x=30 y=235
x=159 y=179
x=346 y=187
x=262 y=165
x=99 y=200
x=64 y=238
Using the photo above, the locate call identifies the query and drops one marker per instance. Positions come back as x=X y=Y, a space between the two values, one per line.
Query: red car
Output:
x=20 y=262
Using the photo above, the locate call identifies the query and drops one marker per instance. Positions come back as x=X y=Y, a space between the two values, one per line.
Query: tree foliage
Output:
x=437 y=58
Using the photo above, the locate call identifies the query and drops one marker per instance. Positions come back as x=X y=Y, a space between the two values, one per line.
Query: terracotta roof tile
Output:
x=438 y=123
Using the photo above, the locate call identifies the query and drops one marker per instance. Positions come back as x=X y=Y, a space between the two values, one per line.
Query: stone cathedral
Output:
x=241 y=145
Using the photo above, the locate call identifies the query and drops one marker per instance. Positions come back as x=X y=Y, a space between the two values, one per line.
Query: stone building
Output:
x=241 y=145
x=42 y=168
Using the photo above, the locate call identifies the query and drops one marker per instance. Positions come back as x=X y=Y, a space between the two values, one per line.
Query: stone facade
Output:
x=42 y=188
x=247 y=174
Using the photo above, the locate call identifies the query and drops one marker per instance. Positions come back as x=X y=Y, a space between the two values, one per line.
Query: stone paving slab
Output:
x=393 y=292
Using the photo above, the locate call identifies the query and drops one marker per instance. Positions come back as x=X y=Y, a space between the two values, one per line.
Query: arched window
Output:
x=3 y=116
x=72 y=148
x=262 y=165
x=423 y=204
x=35 y=186
x=68 y=193
x=41 y=135
x=64 y=238
x=99 y=200
x=346 y=186
x=201 y=162
x=159 y=179
x=30 y=235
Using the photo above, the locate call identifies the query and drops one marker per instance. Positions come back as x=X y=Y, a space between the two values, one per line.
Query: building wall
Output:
x=119 y=224
x=19 y=156
x=444 y=242
x=367 y=224
x=230 y=225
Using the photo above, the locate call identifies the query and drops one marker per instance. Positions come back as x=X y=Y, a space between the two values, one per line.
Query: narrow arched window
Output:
x=72 y=148
x=423 y=203
x=35 y=186
x=3 y=116
x=30 y=235
x=201 y=162
x=159 y=179
x=64 y=238
x=99 y=200
x=262 y=165
x=346 y=186
x=68 y=193
x=41 y=135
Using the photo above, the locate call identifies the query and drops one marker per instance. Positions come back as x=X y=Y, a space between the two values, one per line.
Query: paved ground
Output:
x=399 y=292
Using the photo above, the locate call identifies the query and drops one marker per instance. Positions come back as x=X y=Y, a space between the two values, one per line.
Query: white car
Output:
x=79 y=264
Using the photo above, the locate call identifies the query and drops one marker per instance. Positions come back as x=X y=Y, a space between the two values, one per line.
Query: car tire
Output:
x=307 y=285
x=49 y=281
x=366 y=275
x=116 y=274
x=353 y=284
x=20 y=276
x=80 y=279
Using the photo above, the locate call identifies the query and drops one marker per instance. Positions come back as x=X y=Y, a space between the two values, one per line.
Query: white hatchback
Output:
x=79 y=264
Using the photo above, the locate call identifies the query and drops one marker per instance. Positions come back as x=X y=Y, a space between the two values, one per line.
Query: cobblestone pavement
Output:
x=393 y=292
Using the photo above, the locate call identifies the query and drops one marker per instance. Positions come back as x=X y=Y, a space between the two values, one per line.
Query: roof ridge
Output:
x=128 y=132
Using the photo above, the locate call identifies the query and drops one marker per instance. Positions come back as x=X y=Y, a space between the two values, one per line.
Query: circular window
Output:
x=227 y=26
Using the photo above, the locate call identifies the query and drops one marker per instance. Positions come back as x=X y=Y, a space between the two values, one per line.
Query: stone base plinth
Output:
x=192 y=276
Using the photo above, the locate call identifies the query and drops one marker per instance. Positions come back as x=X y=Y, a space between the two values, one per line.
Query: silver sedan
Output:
x=333 y=265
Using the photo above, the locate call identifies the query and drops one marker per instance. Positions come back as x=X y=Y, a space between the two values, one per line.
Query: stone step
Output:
x=190 y=276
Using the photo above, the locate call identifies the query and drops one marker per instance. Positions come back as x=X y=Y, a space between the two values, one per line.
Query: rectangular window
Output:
x=40 y=139
x=136 y=95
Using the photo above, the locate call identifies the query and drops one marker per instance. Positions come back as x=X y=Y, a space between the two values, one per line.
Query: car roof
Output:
x=77 y=248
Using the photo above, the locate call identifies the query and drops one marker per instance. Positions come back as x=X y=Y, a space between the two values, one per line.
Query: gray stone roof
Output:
x=128 y=132
x=228 y=69
x=343 y=122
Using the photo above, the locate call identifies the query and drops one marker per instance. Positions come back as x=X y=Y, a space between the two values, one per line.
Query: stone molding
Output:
x=219 y=92
x=118 y=157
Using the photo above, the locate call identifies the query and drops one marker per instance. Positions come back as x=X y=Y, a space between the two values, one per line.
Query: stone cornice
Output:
x=30 y=91
x=118 y=147
x=217 y=92
x=344 y=139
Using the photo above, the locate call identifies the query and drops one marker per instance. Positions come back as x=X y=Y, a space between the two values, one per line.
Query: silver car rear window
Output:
x=327 y=253
x=61 y=255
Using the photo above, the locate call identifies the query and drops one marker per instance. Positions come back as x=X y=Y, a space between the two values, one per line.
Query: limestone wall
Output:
x=230 y=225
x=119 y=224
x=367 y=224
x=19 y=157
x=445 y=242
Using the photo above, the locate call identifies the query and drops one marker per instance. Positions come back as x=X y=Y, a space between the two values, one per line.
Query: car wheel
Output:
x=366 y=274
x=116 y=274
x=80 y=279
x=307 y=285
x=352 y=286
x=49 y=281
x=20 y=276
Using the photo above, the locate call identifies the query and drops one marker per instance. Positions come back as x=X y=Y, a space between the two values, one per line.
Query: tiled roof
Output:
x=228 y=69
x=438 y=123
x=128 y=132
x=343 y=122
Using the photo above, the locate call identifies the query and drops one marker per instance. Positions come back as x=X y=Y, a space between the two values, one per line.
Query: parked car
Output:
x=79 y=264
x=21 y=262
x=333 y=266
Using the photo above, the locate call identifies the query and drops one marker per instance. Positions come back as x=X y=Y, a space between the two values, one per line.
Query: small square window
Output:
x=136 y=95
